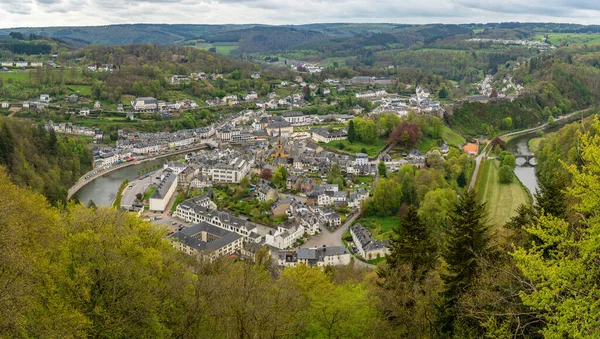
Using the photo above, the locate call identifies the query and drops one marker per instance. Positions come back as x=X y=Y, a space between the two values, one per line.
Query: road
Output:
x=328 y=238
x=487 y=148
x=135 y=187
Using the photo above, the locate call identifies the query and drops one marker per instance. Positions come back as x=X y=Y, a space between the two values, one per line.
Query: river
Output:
x=525 y=172
x=103 y=190
x=520 y=146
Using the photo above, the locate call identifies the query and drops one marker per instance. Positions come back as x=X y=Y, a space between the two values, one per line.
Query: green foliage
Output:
x=505 y=174
x=387 y=197
x=382 y=169
x=412 y=243
x=366 y=131
x=351 y=132
x=117 y=202
x=467 y=241
x=280 y=176
x=470 y=117
x=41 y=160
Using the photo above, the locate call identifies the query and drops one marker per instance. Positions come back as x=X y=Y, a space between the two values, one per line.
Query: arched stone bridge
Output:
x=526 y=159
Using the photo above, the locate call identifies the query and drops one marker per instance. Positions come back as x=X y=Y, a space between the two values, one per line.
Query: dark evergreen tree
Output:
x=461 y=180
x=351 y=132
x=7 y=146
x=550 y=196
x=412 y=243
x=467 y=240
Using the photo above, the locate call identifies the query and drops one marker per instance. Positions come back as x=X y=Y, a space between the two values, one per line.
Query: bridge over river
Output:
x=523 y=159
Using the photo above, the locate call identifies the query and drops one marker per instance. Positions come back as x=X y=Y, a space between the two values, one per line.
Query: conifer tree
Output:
x=467 y=240
x=412 y=243
x=351 y=132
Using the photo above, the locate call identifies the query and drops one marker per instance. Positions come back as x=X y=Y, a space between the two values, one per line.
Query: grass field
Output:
x=502 y=199
x=84 y=90
x=381 y=227
x=364 y=179
x=452 y=137
x=356 y=147
x=16 y=76
x=225 y=49
x=571 y=38
x=534 y=144
x=148 y=193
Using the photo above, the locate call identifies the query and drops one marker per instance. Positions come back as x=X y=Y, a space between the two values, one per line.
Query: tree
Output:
x=351 y=132
x=505 y=174
x=563 y=265
x=550 y=196
x=508 y=123
x=266 y=174
x=280 y=176
x=467 y=241
x=406 y=134
x=387 y=197
x=443 y=92
x=412 y=243
x=510 y=161
x=245 y=182
x=382 y=169
x=497 y=141
x=461 y=179
x=435 y=209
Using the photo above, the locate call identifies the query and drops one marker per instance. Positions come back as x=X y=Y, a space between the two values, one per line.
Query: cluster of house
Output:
x=149 y=104
x=540 y=45
x=21 y=64
x=69 y=128
x=367 y=80
x=420 y=101
x=372 y=94
x=102 y=68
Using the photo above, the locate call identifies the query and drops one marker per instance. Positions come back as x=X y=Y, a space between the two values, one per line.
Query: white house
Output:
x=144 y=104
x=164 y=192
x=285 y=235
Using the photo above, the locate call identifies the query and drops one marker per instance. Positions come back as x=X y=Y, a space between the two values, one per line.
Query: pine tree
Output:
x=351 y=132
x=412 y=243
x=550 y=195
x=467 y=240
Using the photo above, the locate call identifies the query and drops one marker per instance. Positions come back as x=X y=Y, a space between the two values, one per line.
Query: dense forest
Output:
x=44 y=161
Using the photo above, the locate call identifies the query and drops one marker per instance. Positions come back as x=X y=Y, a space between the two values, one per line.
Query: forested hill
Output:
x=560 y=83
x=336 y=32
x=45 y=162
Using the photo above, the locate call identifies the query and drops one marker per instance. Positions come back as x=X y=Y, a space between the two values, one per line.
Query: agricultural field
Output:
x=225 y=49
x=81 y=90
x=570 y=38
x=502 y=199
x=16 y=76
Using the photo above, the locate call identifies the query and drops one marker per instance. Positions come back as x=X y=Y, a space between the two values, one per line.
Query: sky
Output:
x=41 y=13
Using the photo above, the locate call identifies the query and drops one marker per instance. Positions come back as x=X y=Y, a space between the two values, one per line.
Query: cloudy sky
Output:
x=24 y=13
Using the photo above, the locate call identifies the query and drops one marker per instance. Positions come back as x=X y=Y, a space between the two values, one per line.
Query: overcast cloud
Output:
x=27 y=13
